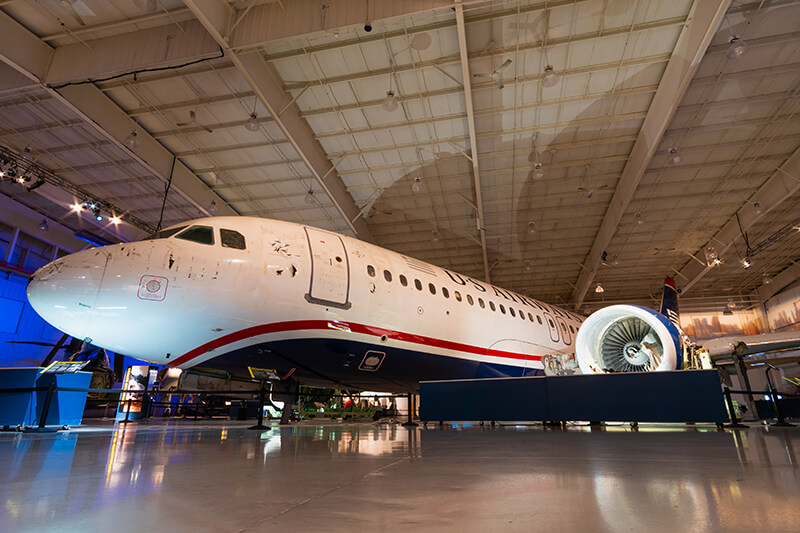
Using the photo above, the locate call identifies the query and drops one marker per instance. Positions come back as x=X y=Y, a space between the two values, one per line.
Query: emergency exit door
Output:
x=330 y=273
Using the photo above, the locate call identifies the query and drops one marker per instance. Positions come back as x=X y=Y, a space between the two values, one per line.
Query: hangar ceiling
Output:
x=425 y=134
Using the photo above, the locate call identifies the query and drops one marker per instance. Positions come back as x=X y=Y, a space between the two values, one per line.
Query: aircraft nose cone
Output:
x=64 y=292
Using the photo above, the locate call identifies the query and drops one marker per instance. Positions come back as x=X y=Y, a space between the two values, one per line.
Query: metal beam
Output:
x=784 y=183
x=473 y=138
x=701 y=24
x=266 y=84
x=275 y=21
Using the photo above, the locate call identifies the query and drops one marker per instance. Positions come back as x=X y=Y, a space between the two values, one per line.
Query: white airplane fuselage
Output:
x=322 y=307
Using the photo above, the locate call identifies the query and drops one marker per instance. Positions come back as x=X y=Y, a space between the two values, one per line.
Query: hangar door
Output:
x=330 y=273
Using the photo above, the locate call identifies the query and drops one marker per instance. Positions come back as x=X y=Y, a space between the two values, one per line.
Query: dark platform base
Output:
x=678 y=396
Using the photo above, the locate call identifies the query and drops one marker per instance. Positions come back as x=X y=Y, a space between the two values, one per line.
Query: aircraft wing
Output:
x=743 y=345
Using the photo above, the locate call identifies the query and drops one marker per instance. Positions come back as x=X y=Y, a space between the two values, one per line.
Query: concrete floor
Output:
x=217 y=476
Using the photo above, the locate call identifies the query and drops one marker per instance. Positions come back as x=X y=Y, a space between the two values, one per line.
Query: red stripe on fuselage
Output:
x=301 y=325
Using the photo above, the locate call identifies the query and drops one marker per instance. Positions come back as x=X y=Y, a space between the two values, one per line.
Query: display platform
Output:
x=677 y=396
x=25 y=408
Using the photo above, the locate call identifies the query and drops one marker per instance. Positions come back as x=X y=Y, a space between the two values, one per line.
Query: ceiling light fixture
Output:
x=550 y=78
x=727 y=311
x=527 y=265
x=417 y=185
x=309 y=199
x=212 y=207
x=767 y=279
x=43 y=226
x=638 y=216
x=712 y=259
x=390 y=102
x=531 y=227
x=745 y=262
x=538 y=168
x=97 y=215
x=115 y=219
x=674 y=158
x=76 y=207
x=131 y=140
x=435 y=234
x=757 y=207
x=252 y=123
x=599 y=288
x=737 y=47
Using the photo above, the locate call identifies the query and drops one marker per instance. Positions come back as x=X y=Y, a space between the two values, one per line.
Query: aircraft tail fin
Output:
x=669 y=302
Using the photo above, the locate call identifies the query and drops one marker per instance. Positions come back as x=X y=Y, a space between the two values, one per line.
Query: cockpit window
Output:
x=165 y=233
x=199 y=234
x=232 y=239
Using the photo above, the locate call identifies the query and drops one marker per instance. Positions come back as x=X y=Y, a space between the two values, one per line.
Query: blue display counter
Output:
x=678 y=396
x=25 y=409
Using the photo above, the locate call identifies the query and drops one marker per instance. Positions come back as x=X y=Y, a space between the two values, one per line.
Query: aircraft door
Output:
x=330 y=271
x=564 y=330
x=552 y=326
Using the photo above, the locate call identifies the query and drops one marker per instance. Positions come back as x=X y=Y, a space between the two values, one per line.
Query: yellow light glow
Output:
x=77 y=207
x=115 y=220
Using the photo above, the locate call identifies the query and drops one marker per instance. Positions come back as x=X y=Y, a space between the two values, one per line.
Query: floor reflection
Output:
x=199 y=476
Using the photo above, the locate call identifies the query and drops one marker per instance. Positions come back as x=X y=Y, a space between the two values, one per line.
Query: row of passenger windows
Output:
x=457 y=295
x=203 y=235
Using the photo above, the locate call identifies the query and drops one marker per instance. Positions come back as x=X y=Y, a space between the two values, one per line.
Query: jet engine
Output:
x=627 y=338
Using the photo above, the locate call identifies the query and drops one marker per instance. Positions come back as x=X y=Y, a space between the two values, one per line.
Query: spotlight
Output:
x=417 y=185
x=737 y=48
x=11 y=172
x=757 y=207
x=390 y=102
x=97 y=216
x=531 y=227
x=43 y=226
x=435 y=234
x=527 y=265
x=767 y=279
x=550 y=77
x=309 y=199
x=212 y=207
x=745 y=262
x=38 y=183
x=115 y=220
x=77 y=207
x=252 y=123
x=638 y=217
x=367 y=27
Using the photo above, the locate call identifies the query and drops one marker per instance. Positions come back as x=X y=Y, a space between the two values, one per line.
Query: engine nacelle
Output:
x=627 y=338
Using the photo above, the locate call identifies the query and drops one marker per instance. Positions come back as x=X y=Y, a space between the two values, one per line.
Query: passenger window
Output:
x=445 y=292
x=502 y=309
x=480 y=302
x=417 y=284
x=564 y=327
x=522 y=315
x=387 y=276
x=469 y=299
x=457 y=295
x=165 y=233
x=371 y=271
x=549 y=321
x=198 y=234
x=571 y=329
x=403 y=281
x=539 y=318
x=511 y=310
x=530 y=317
x=491 y=305
x=432 y=288
x=231 y=239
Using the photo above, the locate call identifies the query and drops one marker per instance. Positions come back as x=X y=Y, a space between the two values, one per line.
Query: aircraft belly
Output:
x=360 y=365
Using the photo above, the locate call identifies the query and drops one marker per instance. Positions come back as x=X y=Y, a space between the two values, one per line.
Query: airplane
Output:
x=326 y=309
